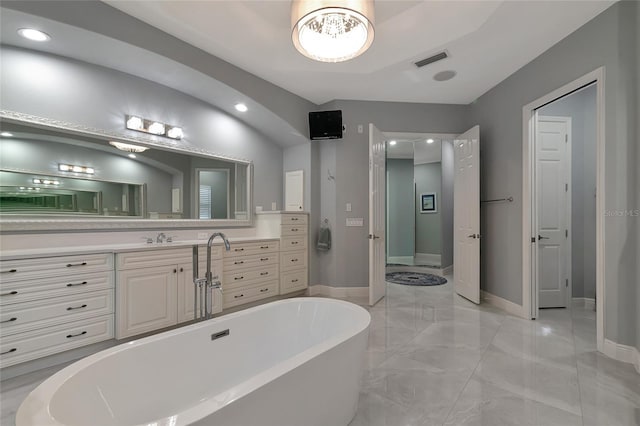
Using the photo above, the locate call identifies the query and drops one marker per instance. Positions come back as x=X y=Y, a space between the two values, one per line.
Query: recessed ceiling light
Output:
x=444 y=75
x=430 y=140
x=392 y=143
x=33 y=35
x=242 y=107
x=132 y=155
x=6 y=134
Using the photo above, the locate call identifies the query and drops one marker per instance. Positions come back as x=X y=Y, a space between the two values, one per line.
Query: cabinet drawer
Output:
x=238 y=263
x=292 y=281
x=294 y=243
x=293 y=260
x=294 y=229
x=147 y=258
x=50 y=340
x=294 y=219
x=16 y=270
x=249 y=294
x=246 y=249
x=40 y=288
x=21 y=317
x=235 y=279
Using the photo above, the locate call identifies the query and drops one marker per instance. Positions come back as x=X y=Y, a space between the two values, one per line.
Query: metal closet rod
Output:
x=509 y=199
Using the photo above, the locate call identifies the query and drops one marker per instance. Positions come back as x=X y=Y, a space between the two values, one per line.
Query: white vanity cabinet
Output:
x=53 y=304
x=251 y=272
x=155 y=288
x=293 y=230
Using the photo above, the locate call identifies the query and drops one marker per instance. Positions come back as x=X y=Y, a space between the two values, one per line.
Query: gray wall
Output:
x=428 y=225
x=581 y=107
x=637 y=219
x=446 y=203
x=608 y=40
x=98 y=97
x=400 y=214
x=348 y=159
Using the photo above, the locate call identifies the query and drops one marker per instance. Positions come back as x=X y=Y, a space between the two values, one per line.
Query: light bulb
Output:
x=135 y=123
x=242 y=107
x=175 y=133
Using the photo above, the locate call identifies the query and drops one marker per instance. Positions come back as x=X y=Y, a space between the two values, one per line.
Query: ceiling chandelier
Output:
x=332 y=30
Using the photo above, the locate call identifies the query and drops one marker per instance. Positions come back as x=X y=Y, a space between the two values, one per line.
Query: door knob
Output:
x=540 y=237
x=474 y=236
x=373 y=237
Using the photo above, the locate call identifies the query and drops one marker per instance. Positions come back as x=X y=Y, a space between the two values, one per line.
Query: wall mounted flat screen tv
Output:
x=325 y=125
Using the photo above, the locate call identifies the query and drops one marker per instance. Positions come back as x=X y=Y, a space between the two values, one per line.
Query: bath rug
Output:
x=414 y=278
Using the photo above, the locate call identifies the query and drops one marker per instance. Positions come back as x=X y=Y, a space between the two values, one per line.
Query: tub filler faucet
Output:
x=205 y=286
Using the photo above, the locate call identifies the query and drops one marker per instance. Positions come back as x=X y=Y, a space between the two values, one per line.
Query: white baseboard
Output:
x=622 y=353
x=504 y=304
x=338 y=292
x=428 y=258
x=584 y=302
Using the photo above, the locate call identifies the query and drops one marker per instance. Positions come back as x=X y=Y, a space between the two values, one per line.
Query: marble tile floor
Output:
x=436 y=359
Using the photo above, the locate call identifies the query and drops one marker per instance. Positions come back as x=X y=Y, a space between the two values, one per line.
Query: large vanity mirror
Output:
x=57 y=176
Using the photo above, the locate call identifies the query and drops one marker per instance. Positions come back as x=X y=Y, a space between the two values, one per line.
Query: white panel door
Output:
x=294 y=190
x=377 y=191
x=552 y=209
x=466 y=215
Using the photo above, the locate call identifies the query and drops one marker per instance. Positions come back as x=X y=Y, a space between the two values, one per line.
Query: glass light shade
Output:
x=156 y=128
x=332 y=33
x=175 y=133
x=135 y=123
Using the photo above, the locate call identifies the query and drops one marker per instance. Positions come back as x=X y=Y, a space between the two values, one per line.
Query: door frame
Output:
x=529 y=288
x=568 y=258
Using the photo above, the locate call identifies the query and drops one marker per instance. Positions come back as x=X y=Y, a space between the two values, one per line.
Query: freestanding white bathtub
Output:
x=294 y=362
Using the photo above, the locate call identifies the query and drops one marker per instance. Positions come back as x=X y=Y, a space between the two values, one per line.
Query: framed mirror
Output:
x=62 y=176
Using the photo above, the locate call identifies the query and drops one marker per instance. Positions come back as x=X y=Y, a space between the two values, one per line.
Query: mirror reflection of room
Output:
x=52 y=173
x=420 y=202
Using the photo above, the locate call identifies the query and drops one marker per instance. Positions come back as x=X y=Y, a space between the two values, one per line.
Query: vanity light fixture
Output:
x=128 y=147
x=22 y=188
x=332 y=30
x=76 y=169
x=392 y=143
x=242 y=107
x=430 y=141
x=133 y=122
x=46 y=181
x=33 y=34
x=6 y=134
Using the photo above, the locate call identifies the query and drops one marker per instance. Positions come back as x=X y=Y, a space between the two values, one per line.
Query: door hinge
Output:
x=566 y=282
x=566 y=233
x=566 y=187
x=533 y=239
x=566 y=138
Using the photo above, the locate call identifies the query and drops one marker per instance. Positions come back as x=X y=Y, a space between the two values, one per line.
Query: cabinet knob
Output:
x=175 y=271
x=238 y=296
x=181 y=269
x=9 y=351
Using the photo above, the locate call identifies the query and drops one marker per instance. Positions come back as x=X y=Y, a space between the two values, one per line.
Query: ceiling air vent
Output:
x=431 y=59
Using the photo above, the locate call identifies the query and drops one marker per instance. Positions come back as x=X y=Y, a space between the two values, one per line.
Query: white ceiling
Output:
x=487 y=41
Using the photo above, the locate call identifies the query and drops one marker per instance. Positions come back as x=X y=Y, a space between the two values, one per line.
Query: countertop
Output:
x=117 y=248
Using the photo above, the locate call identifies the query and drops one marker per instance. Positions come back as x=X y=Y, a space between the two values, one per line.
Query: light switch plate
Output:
x=274 y=206
x=348 y=207
x=360 y=128
x=355 y=221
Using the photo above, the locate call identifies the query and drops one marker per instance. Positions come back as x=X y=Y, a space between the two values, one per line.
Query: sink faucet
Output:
x=161 y=238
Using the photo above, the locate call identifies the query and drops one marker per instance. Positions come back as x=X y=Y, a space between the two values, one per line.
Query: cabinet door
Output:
x=186 y=291
x=146 y=300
